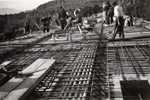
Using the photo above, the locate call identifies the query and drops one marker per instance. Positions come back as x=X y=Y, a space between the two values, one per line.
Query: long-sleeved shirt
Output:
x=118 y=11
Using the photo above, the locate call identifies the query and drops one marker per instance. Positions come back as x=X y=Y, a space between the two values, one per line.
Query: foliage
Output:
x=47 y=9
x=137 y=8
x=87 y=11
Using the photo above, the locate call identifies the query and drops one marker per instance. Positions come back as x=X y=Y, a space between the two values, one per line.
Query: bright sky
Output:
x=22 y=5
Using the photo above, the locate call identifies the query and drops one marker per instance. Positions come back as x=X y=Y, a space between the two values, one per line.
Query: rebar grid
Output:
x=80 y=74
x=129 y=59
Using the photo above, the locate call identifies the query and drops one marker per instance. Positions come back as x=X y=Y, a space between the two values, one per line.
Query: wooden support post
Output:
x=70 y=36
x=67 y=36
x=53 y=36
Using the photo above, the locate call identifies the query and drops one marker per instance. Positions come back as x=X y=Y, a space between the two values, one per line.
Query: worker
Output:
x=55 y=19
x=119 y=23
x=46 y=22
x=69 y=20
x=105 y=12
x=78 y=19
x=108 y=12
x=27 y=28
x=130 y=23
x=62 y=16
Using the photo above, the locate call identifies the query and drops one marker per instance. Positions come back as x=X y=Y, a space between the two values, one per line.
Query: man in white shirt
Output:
x=119 y=23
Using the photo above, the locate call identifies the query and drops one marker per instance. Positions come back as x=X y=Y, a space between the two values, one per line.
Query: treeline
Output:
x=47 y=9
x=137 y=8
x=31 y=17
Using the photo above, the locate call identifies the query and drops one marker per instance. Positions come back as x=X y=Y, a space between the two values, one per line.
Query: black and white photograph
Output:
x=74 y=49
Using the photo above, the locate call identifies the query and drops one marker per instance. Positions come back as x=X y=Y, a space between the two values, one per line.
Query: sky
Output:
x=22 y=5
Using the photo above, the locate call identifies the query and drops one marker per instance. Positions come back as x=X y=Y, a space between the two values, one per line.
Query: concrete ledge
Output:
x=19 y=88
x=3 y=76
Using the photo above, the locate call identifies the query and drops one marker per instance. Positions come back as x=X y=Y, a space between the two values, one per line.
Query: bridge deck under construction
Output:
x=91 y=68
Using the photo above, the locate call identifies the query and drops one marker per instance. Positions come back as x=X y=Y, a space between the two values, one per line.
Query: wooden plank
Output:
x=14 y=82
x=2 y=66
x=34 y=67
x=25 y=87
x=5 y=63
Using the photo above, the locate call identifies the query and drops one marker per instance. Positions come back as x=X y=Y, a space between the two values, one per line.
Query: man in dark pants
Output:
x=62 y=17
x=46 y=22
x=111 y=14
x=27 y=28
x=119 y=23
x=107 y=12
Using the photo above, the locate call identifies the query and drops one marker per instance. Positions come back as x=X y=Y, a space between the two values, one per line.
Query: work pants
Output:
x=63 y=23
x=119 y=28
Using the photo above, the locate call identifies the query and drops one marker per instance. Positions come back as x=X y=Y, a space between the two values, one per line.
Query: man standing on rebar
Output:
x=69 y=20
x=46 y=22
x=78 y=19
x=27 y=28
x=119 y=23
x=106 y=6
x=62 y=17
x=110 y=14
x=104 y=12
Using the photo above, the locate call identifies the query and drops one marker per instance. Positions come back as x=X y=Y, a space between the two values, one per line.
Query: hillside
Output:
x=46 y=9
x=69 y=4
x=137 y=8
